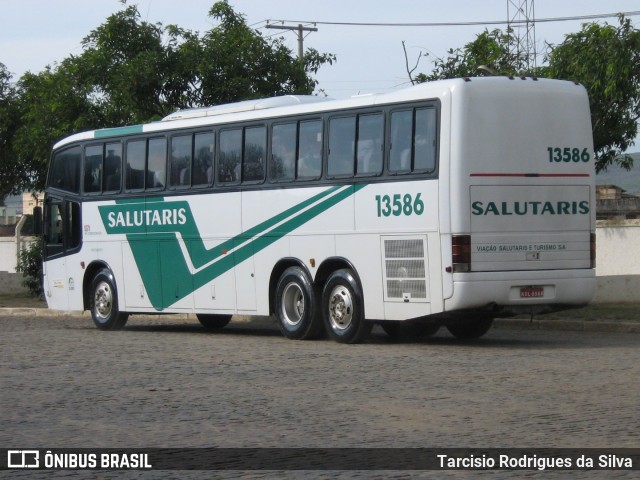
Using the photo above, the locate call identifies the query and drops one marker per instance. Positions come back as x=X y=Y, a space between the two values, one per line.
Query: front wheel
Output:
x=343 y=308
x=103 y=302
x=471 y=329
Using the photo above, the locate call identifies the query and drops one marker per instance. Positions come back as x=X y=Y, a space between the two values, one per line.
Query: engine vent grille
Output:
x=405 y=278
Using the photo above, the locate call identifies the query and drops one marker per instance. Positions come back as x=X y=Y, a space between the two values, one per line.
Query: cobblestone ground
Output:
x=166 y=382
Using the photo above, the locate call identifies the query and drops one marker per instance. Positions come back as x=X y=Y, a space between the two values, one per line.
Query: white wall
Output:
x=618 y=261
x=618 y=248
x=8 y=256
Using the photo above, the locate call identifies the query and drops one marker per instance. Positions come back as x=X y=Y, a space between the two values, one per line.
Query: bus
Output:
x=448 y=203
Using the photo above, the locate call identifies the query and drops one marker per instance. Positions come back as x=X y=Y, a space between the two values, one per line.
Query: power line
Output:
x=299 y=29
x=460 y=24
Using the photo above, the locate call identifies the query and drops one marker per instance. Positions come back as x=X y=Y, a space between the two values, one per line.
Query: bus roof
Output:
x=245 y=106
x=273 y=107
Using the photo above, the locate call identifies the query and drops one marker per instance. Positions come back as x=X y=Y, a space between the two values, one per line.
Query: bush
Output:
x=30 y=265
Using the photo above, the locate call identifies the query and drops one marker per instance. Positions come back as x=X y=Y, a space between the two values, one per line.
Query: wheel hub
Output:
x=340 y=308
x=103 y=300
x=292 y=304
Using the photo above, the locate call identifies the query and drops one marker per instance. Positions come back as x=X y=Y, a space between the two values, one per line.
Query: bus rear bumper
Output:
x=519 y=291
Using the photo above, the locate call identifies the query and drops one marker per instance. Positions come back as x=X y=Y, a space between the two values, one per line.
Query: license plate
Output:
x=531 y=292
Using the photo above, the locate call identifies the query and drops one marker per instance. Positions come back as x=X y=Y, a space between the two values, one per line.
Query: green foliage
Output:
x=51 y=105
x=604 y=58
x=8 y=124
x=238 y=63
x=125 y=66
x=30 y=265
x=489 y=52
x=131 y=71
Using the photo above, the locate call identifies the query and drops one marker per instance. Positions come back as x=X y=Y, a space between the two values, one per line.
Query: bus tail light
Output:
x=593 y=250
x=461 y=253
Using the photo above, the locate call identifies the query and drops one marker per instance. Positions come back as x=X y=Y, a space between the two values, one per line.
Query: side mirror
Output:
x=37 y=220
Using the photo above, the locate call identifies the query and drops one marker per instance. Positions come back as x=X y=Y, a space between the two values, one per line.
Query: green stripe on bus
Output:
x=117 y=131
x=155 y=228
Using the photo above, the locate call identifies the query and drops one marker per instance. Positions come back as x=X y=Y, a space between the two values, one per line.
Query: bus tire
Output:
x=342 y=308
x=296 y=305
x=470 y=330
x=213 y=322
x=103 y=302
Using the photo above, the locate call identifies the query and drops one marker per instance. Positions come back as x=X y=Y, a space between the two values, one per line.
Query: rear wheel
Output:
x=103 y=302
x=469 y=330
x=213 y=322
x=343 y=308
x=296 y=305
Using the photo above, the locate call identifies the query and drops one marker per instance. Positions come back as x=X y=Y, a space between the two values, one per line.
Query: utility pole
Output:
x=300 y=30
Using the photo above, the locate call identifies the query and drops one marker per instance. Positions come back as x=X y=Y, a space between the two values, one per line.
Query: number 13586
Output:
x=399 y=204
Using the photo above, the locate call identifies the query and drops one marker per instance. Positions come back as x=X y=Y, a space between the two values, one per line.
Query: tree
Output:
x=131 y=71
x=140 y=71
x=135 y=71
x=489 y=52
x=51 y=105
x=8 y=125
x=604 y=58
x=238 y=63
x=30 y=265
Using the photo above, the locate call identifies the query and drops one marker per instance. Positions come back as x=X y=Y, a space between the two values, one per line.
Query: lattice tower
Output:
x=522 y=26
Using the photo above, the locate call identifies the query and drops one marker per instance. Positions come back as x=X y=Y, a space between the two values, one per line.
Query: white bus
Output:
x=447 y=203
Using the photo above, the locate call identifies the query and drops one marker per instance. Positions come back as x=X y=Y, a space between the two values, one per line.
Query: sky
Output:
x=37 y=33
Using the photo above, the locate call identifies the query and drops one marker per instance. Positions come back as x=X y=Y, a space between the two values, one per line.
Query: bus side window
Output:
x=63 y=228
x=230 y=154
x=157 y=164
x=310 y=150
x=425 y=140
x=413 y=141
x=65 y=170
x=136 y=150
x=370 y=141
x=74 y=224
x=283 y=152
x=180 y=161
x=342 y=136
x=255 y=147
x=401 y=141
x=53 y=229
x=203 y=158
x=112 y=168
x=92 y=169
